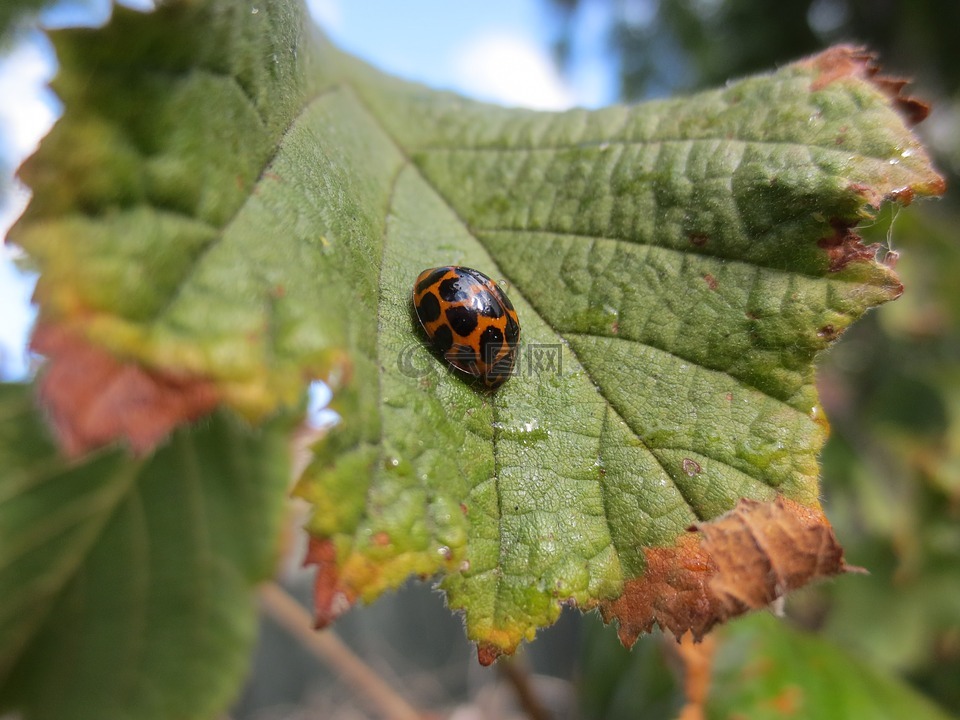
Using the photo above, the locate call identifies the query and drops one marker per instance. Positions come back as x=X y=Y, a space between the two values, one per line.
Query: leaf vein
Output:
x=218 y=236
x=603 y=144
x=646 y=344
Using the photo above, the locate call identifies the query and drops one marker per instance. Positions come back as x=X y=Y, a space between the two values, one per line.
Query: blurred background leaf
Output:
x=127 y=583
x=764 y=669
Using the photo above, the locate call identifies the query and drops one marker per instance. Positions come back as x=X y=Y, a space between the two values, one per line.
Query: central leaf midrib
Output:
x=498 y=594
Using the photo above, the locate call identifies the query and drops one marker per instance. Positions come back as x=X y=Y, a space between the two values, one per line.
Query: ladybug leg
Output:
x=463 y=358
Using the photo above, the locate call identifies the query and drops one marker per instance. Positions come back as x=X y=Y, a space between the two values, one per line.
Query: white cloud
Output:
x=24 y=74
x=17 y=317
x=25 y=117
x=326 y=13
x=511 y=70
x=141 y=5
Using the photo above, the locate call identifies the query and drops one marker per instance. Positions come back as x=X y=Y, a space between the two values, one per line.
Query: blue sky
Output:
x=497 y=50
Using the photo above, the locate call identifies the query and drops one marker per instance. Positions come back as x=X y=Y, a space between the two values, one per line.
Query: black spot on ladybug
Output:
x=430 y=279
x=429 y=308
x=491 y=341
x=443 y=338
x=513 y=331
x=452 y=290
x=462 y=319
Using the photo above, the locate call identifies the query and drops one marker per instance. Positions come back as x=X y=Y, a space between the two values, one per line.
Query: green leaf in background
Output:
x=230 y=201
x=763 y=668
x=891 y=477
x=760 y=667
x=126 y=584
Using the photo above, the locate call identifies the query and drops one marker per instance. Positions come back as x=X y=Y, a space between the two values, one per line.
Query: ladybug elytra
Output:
x=469 y=320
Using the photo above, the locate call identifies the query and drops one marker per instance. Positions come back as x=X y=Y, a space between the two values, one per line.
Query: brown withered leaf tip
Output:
x=488 y=654
x=330 y=599
x=740 y=561
x=843 y=61
x=93 y=399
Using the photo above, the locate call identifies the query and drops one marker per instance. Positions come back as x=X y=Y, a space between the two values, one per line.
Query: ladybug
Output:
x=469 y=320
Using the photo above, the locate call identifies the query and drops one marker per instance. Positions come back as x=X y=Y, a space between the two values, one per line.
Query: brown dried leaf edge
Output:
x=738 y=562
x=842 y=61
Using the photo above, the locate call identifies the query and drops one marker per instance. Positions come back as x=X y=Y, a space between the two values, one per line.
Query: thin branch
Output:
x=327 y=647
x=519 y=678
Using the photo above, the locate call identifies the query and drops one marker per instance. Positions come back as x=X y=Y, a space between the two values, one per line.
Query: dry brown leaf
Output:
x=94 y=399
x=330 y=598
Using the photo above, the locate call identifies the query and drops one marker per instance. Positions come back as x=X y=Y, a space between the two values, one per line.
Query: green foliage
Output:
x=892 y=465
x=236 y=200
x=229 y=199
x=760 y=667
x=764 y=669
x=126 y=584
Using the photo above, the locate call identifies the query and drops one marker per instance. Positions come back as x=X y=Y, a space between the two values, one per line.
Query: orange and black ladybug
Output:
x=469 y=320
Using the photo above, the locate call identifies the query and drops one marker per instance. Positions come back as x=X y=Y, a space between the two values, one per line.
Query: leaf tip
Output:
x=843 y=61
x=487 y=654
x=738 y=562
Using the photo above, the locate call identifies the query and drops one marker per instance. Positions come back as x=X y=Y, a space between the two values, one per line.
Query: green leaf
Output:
x=126 y=584
x=760 y=667
x=230 y=200
x=764 y=669
x=892 y=468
